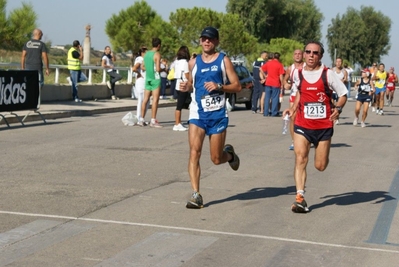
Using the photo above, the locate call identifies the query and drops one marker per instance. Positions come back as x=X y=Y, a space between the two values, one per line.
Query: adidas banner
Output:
x=19 y=90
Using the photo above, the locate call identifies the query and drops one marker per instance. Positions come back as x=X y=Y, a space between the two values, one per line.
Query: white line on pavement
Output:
x=200 y=231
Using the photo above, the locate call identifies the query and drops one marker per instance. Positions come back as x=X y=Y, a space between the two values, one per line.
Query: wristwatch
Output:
x=339 y=109
x=220 y=86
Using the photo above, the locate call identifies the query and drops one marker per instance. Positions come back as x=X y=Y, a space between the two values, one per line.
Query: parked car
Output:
x=247 y=86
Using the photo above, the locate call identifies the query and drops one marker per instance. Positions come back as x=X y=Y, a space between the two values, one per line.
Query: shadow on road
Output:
x=351 y=198
x=379 y=126
x=30 y=124
x=256 y=193
x=340 y=145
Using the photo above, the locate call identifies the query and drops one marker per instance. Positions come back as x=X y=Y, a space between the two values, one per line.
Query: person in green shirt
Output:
x=152 y=67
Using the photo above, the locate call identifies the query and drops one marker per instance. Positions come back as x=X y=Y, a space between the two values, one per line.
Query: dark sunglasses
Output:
x=313 y=52
x=204 y=38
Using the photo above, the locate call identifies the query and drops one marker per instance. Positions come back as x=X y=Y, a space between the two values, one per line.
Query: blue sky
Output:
x=64 y=21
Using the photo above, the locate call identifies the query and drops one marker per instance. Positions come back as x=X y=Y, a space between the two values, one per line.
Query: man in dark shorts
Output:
x=315 y=115
x=258 y=87
x=34 y=53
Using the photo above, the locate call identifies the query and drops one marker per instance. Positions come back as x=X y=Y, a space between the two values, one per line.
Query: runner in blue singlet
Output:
x=208 y=75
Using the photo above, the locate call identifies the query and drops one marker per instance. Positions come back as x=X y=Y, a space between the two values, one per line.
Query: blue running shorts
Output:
x=211 y=126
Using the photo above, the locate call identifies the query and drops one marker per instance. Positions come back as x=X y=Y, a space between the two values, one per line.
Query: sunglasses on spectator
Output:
x=316 y=53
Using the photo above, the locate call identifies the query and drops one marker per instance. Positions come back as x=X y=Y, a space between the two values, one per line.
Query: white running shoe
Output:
x=179 y=128
x=373 y=109
x=355 y=121
x=155 y=124
x=362 y=124
x=69 y=80
x=141 y=122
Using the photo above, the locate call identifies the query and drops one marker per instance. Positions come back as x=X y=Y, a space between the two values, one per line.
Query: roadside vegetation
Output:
x=248 y=27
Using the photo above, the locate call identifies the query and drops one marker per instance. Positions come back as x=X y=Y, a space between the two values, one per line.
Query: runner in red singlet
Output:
x=315 y=116
x=391 y=80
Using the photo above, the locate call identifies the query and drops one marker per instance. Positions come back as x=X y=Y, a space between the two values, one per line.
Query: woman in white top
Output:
x=181 y=74
x=342 y=75
x=107 y=62
x=140 y=79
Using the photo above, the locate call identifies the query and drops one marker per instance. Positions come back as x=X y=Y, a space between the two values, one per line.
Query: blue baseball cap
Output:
x=210 y=32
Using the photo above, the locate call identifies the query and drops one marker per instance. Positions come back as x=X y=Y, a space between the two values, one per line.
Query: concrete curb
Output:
x=52 y=115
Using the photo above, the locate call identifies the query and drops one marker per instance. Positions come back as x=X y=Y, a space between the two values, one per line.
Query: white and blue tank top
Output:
x=208 y=105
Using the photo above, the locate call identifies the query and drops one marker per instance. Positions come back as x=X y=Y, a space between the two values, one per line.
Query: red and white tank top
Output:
x=314 y=108
x=391 y=81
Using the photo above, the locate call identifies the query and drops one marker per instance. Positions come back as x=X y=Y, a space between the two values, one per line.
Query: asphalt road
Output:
x=88 y=191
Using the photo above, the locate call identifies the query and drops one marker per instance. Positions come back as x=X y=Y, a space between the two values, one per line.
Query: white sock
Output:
x=302 y=192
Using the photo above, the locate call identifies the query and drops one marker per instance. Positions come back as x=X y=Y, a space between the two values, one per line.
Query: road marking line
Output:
x=91 y=259
x=201 y=231
x=161 y=249
x=380 y=232
x=25 y=231
x=40 y=241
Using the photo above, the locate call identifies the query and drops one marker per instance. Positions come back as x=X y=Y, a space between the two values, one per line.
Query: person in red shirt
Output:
x=314 y=117
x=391 y=80
x=274 y=72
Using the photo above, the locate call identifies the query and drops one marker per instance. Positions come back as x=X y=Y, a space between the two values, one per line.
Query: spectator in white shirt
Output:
x=349 y=70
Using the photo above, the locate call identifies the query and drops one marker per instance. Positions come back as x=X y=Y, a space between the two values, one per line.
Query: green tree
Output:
x=3 y=22
x=378 y=28
x=365 y=41
x=189 y=23
x=135 y=27
x=235 y=40
x=128 y=29
x=17 y=28
x=285 y=47
x=169 y=37
x=305 y=21
x=266 y=19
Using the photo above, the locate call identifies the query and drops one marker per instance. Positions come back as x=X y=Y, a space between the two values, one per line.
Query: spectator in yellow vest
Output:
x=75 y=55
